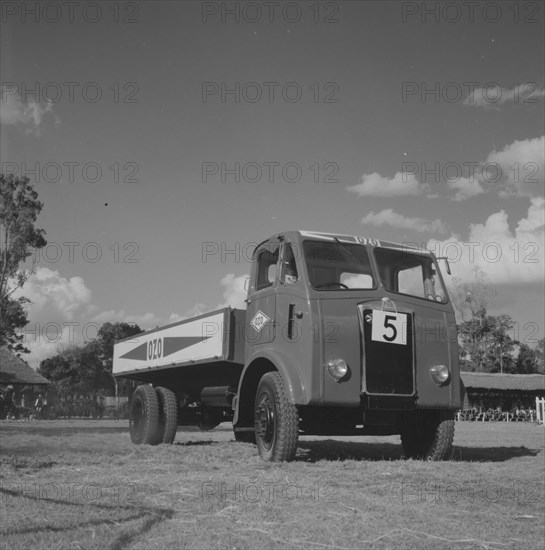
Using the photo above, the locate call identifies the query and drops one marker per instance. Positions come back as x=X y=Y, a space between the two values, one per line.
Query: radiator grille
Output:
x=387 y=368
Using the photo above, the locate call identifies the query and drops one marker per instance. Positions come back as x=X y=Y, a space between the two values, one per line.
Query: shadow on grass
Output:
x=49 y=430
x=151 y=516
x=491 y=454
x=196 y=443
x=330 y=449
x=310 y=451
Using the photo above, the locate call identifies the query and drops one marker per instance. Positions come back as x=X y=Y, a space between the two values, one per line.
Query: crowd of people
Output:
x=497 y=415
x=30 y=405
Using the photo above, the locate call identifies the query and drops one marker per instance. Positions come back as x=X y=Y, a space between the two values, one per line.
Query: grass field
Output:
x=84 y=485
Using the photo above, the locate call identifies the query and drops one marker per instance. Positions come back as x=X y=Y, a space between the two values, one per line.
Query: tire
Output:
x=245 y=437
x=429 y=437
x=276 y=420
x=144 y=416
x=168 y=415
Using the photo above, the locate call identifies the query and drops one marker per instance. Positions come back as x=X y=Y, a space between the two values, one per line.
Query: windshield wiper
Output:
x=346 y=249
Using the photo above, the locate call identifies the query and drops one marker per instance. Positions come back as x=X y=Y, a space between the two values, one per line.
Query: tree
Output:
x=499 y=345
x=540 y=354
x=470 y=300
x=19 y=209
x=486 y=344
x=527 y=361
x=108 y=334
x=59 y=369
x=87 y=368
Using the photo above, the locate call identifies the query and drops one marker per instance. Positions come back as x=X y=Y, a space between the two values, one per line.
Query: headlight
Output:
x=337 y=368
x=440 y=374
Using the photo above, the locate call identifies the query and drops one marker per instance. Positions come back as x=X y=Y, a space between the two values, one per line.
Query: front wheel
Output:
x=144 y=416
x=429 y=436
x=276 y=420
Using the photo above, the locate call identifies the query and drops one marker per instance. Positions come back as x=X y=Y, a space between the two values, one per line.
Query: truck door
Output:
x=294 y=320
x=261 y=312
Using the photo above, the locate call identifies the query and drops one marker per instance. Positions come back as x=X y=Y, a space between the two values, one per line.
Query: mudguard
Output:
x=293 y=383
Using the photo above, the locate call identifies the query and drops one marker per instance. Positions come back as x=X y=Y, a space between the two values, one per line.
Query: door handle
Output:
x=292 y=314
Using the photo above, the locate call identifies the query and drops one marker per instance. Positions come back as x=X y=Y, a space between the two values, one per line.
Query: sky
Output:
x=166 y=138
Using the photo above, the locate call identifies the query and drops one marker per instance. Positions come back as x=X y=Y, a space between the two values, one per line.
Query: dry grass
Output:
x=84 y=485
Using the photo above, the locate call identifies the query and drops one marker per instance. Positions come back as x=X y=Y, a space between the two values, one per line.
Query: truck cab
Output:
x=361 y=332
x=342 y=335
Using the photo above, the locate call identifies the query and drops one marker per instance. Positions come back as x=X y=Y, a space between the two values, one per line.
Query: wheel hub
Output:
x=265 y=421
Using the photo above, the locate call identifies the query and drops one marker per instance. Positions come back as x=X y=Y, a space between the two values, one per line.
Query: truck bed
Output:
x=209 y=339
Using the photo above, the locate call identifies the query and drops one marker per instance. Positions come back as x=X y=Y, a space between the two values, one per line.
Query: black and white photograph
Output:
x=272 y=274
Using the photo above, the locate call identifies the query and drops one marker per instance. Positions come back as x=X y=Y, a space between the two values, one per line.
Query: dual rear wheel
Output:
x=153 y=416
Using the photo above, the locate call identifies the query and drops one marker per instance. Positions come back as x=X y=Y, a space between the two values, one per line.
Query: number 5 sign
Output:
x=389 y=327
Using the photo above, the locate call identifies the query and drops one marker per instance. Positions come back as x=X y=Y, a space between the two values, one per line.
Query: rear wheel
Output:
x=429 y=436
x=168 y=415
x=276 y=420
x=144 y=416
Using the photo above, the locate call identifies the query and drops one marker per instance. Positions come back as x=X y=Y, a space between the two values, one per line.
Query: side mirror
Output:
x=447 y=265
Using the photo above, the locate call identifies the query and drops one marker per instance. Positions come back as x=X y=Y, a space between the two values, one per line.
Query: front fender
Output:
x=266 y=360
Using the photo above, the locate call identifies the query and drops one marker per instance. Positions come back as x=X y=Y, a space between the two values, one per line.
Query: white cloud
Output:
x=145 y=321
x=55 y=297
x=235 y=291
x=57 y=306
x=522 y=165
x=375 y=185
x=394 y=219
x=465 y=188
x=506 y=257
x=27 y=116
x=198 y=309
x=492 y=96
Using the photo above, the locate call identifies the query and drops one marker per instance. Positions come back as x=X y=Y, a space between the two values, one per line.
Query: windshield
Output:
x=338 y=266
x=407 y=273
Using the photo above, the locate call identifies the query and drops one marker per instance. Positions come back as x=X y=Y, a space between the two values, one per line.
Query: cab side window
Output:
x=289 y=268
x=267 y=259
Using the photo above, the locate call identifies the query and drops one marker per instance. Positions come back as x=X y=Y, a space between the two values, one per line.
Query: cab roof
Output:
x=354 y=239
x=363 y=240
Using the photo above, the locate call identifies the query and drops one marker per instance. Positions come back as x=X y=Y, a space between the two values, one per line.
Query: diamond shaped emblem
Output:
x=259 y=320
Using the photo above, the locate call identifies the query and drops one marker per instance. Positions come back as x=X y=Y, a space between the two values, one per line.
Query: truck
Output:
x=342 y=335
